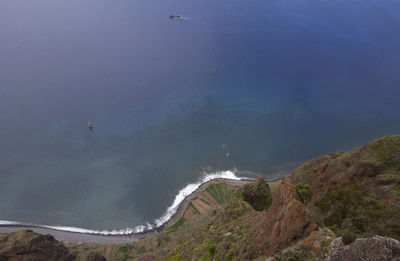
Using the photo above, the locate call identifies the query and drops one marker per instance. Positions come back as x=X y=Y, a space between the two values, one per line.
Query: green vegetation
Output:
x=206 y=202
x=143 y=249
x=176 y=255
x=349 y=202
x=296 y=254
x=304 y=192
x=220 y=192
x=387 y=150
x=175 y=226
x=235 y=209
x=124 y=252
x=257 y=194
x=211 y=250
x=206 y=249
x=351 y=208
x=396 y=187
x=194 y=208
x=348 y=237
x=126 y=249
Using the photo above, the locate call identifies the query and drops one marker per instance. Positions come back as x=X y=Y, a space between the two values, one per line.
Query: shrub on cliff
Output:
x=176 y=255
x=348 y=237
x=298 y=253
x=257 y=194
x=304 y=192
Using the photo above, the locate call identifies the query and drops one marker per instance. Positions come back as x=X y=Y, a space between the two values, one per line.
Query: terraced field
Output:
x=220 y=192
x=207 y=200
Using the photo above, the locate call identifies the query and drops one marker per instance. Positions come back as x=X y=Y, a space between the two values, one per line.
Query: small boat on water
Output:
x=90 y=125
x=176 y=17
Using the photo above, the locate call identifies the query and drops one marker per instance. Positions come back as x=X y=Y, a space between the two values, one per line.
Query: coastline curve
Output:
x=173 y=213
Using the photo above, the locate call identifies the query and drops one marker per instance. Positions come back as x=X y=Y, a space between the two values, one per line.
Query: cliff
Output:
x=336 y=207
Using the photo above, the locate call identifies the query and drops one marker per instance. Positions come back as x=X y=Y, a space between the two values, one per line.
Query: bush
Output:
x=394 y=230
x=296 y=254
x=211 y=250
x=348 y=237
x=176 y=255
x=304 y=192
x=333 y=219
x=257 y=194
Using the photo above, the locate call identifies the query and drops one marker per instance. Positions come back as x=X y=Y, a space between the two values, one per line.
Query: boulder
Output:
x=376 y=248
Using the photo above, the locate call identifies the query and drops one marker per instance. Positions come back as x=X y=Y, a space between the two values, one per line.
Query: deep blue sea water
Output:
x=258 y=86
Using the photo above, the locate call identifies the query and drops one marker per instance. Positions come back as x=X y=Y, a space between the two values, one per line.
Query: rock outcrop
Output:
x=366 y=249
x=287 y=220
x=27 y=245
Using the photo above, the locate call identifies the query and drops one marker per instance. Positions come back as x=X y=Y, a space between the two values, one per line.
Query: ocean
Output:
x=237 y=89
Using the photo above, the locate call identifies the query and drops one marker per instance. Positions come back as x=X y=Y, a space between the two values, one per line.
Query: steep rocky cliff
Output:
x=286 y=220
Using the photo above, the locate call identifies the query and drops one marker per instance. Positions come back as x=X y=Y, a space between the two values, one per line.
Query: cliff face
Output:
x=27 y=245
x=286 y=221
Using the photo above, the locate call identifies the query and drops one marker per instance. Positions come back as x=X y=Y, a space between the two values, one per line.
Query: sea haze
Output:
x=259 y=85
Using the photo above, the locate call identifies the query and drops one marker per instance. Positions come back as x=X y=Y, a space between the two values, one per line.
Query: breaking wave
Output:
x=182 y=194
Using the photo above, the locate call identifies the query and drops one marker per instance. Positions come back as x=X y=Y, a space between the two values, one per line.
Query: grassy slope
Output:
x=221 y=234
x=356 y=191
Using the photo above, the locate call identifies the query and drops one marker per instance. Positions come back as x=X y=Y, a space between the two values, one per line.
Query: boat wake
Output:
x=142 y=229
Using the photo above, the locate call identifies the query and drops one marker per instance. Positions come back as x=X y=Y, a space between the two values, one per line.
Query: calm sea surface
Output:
x=256 y=85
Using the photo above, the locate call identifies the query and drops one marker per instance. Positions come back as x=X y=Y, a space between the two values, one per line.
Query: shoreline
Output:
x=103 y=239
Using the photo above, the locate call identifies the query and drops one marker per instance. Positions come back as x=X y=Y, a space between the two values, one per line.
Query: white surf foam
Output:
x=182 y=194
x=189 y=189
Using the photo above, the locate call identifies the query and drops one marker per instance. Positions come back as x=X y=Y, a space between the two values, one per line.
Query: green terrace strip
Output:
x=220 y=192
x=194 y=208
x=205 y=201
x=178 y=223
x=207 y=197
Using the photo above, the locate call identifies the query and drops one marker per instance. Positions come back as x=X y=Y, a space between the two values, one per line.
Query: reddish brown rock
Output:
x=287 y=220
